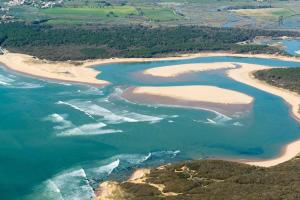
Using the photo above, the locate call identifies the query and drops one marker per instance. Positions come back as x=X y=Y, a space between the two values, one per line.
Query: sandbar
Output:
x=200 y=93
x=176 y=70
x=204 y=97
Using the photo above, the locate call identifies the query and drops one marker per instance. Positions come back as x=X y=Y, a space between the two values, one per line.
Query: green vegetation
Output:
x=218 y=13
x=76 y=43
x=215 y=179
x=288 y=78
x=101 y=11
x=266 y=12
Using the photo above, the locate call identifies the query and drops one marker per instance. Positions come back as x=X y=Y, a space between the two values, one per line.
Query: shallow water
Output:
x=58 y=141
x=292 y=46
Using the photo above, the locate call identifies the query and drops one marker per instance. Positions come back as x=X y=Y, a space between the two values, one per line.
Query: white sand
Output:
x=176 y=70
x=198 y=93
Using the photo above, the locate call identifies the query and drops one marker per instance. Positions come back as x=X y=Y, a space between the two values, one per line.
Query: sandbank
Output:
x=176 y=70
x=200 y=93
x=211 y=98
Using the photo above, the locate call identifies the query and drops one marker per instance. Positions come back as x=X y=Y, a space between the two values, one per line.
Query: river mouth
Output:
x=54 y=134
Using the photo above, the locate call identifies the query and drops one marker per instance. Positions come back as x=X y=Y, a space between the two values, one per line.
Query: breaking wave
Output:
x=60 y=119
x=75 y=107
x=88 y=129
x=67 y=128
x=90 y=109
x=72 y=185
x=12 y=83
x=78 y=183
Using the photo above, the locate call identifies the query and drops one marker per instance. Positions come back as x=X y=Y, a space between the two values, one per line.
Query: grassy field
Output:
x=162 y=12
x=266 y=12
x=100 y=11
x=112 y=14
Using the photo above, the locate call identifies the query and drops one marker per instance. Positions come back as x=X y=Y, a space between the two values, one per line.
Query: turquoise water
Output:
x=58 y=140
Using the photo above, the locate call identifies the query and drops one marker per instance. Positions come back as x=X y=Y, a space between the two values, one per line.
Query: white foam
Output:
x=88 y=129
x=75 y=107
x=57 y=118
x=134 y=159
x=237 y=124
x=172 y=154
x=220 y=119
x=106 y=169
x=91 y=109
x=5 y=80
x=72 y=185
x=91 y=91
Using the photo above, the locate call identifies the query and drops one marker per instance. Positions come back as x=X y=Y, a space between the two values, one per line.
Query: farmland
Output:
x=217 y=13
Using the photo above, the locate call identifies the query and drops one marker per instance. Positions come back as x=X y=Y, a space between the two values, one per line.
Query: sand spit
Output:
x=244 y=74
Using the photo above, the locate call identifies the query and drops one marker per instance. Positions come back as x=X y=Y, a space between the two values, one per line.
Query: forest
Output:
x=287 y=78
x=78 y=43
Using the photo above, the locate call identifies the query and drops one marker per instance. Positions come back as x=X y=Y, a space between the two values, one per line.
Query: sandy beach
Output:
x=244 y=75
x=63 y=71
x=82 y=71
x=199 y=93
x=176 y=70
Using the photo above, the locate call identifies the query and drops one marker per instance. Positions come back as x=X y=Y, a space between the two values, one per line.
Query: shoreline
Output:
x=83 y=71
x=244 y=74
x=34 y=67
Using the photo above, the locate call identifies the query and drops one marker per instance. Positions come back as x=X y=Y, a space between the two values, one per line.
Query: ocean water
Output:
x=60 y=140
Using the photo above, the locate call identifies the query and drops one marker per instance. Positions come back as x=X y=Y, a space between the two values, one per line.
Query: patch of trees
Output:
x=288 y=78
x=247 y=7
x=76 y=43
